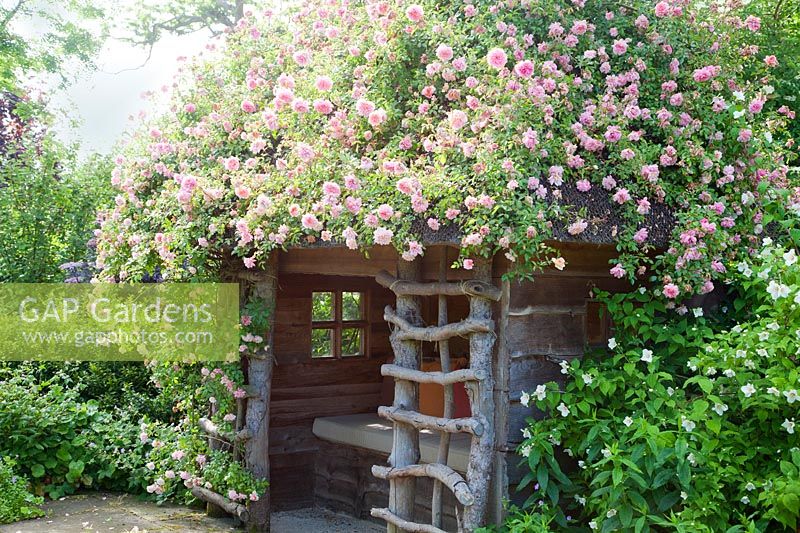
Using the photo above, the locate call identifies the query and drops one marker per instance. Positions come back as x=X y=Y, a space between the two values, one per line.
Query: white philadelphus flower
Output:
x=593 y=524
x=791 y=395
x=749 y=487
x=719 y=408
x=790 y=257
x=773 y=391
x=774 y=326
x=729 y=373
x=745 y=500
x=540 y=392
x=750 y=364
x=525 y=399
x=788 y=425
x=687 y=424
x=777 y=290
x=587 y=378
x=606 y=452
x=797 y=298
x=612 y=343
x=698 y=312
x=647 y=355
x=741 y=354
x=762 y=352
x=564 y=367
x=627 y=421
x=563 y=409
x=748 y=390
x=611 y=512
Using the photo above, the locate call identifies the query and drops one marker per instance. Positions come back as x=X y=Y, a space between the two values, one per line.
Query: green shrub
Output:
x=711 y=446
x=16 y=501
x=61 y=442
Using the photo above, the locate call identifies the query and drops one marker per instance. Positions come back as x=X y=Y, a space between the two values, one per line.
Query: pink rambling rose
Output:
x=457 y=119
x=469 y=264
x=385 y=211
x=376 y=118
x=771 y=61
x=524 y=69
x=382 y=236
x=324 y=107
x=323 y=83
x=617 y=271
x=640 y=236
x=621 y=196
x=364 y=107
x=248 y=106
x=497 y=58
x=415 y=13
x=583 y=185
x=662 y=9
x=579 y=27
x=671 y=290
x=444 y=52
x=753 y=23
x=619 y=47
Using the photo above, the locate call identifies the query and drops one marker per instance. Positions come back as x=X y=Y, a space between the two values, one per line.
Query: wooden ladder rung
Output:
x=440 y=378
x=469 y=425
x=449 y=477
x=410 y=332
x=404 y=525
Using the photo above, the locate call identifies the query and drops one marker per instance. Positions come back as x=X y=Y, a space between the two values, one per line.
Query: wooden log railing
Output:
x=472 y=493
x=230 y=437
x=236 y=509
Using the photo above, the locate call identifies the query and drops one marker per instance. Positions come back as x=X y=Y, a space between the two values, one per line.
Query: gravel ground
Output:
x=102 y=513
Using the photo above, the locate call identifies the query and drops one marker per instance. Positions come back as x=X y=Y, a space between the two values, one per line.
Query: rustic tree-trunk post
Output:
x=449 y=405
x=405 y=448
x=259 y=378
x=481 y=397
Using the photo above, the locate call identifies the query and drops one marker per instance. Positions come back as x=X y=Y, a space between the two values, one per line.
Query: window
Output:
x=338 y=324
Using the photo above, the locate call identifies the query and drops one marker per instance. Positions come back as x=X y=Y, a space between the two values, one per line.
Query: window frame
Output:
x=338 y=324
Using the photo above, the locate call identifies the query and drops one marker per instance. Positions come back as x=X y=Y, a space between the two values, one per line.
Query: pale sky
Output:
x=103 y=100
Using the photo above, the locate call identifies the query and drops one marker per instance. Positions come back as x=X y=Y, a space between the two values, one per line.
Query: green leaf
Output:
x=37 y=470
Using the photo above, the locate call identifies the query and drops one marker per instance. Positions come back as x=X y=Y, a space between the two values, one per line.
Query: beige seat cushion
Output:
x=374 y=433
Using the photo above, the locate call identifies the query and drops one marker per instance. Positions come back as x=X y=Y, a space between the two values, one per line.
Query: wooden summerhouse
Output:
x=391 y=389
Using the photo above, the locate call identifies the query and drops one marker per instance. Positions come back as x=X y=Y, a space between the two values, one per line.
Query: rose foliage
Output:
x=364 y=123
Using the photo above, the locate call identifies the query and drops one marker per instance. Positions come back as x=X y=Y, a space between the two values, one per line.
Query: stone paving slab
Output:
x=122 y=513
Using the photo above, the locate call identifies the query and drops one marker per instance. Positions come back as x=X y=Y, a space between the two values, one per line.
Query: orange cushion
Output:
x=431 y=395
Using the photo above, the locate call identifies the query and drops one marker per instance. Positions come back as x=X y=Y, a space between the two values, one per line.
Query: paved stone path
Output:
x=104 y=513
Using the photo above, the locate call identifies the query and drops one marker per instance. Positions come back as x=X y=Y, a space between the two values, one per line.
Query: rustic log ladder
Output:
x=406 y=335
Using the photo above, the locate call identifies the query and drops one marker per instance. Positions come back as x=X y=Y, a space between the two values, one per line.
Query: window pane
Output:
x=352 y=341
x=321 y=343
x=322 y=306
x=351 y=306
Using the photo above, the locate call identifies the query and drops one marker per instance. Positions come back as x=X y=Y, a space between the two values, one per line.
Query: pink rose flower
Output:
x=457 y=119
x=323 y=83
x=671 y=290
x=524 y=69
x=617 y=271
x=444 y=52
x=415 y=13
x=249 y=107
x=469 y=264
x=497 y=58
x=382 y=236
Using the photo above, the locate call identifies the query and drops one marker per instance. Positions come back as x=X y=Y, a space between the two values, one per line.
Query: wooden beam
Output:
x=402 y=524
x=481 y=398
x=259 y=377
x=405 y=444
x=502 y=371
x=439 y=378
x=469 y=425
x=440 y=472
x=475 y=288
x=236 y=509
x=408 y=331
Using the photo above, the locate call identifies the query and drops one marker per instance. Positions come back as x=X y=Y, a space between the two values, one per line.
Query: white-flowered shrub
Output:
x=708 y=447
